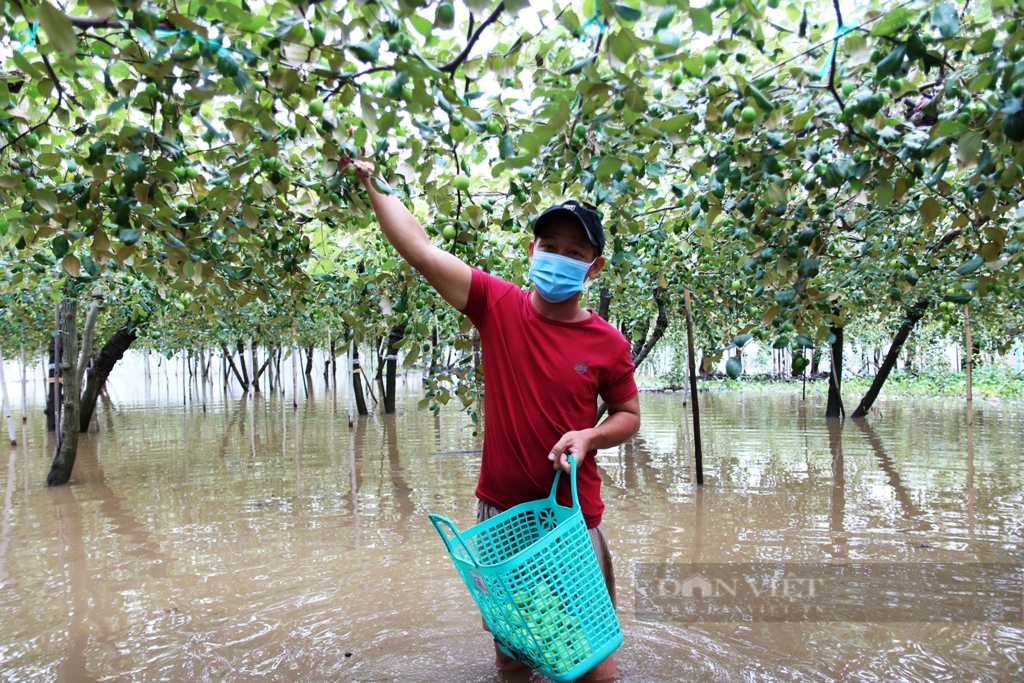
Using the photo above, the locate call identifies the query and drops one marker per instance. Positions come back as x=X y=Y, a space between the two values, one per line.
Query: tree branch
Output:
x=835 y=53
x=451 y=66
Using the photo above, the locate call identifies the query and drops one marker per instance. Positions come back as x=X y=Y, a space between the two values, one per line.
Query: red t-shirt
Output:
x=542 y=379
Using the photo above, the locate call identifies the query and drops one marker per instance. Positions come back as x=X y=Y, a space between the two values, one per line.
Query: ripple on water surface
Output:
x=250 y=541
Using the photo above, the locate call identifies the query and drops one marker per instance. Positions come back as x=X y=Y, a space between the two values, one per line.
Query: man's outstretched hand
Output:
x=577 y=444
x=363 y=169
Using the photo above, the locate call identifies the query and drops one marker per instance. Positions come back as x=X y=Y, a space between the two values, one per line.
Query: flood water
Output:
x=251 y=541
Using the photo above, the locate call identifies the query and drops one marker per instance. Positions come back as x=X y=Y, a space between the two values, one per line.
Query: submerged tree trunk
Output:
x=241 y=360
x=914 y=314
x=67 y=444
x=643 y=347
x=834 y=407
x=309 y=360
x=52 y=388
x=357 y=384
x=394 y=339
x=230 y=358
x=96 y=377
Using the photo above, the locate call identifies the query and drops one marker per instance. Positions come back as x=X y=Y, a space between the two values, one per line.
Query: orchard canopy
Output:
x=798 y=166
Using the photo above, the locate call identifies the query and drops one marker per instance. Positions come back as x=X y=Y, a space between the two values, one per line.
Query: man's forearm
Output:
x=399 y=226
x=617 y=429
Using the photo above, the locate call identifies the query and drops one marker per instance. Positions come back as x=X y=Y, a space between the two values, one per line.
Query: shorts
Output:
x=604 y=556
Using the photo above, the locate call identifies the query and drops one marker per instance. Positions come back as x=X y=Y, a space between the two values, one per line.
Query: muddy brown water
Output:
x=253 y=542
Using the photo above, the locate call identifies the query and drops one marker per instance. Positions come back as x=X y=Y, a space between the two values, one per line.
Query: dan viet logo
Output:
x=697 y=586
x=580 y=367
x=841 y=591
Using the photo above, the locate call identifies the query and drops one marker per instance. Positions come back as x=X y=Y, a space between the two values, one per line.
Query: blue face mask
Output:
x=557 y=277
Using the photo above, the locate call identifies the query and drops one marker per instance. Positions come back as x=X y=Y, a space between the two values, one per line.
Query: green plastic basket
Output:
x=533 y=573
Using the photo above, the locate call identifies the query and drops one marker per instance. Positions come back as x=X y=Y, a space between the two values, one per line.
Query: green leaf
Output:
x=967 y=148
x=958 y=298
x=626 y=12
x=970 y=266
x=701 y=18
x=784 y=297
x=669 y=39
x=394 y=89
x=807 y=267
x=741 y=339
x=505 y=148
x=930 y=210
x=781 y=343
x=763 y=102
x=944 y=18
x=578 y=66
x=60 y=246
x=26 y=66
x=940 y=170
x=423 y=26
x=665 y=17
x=134 y=169
x=367 y=51
x=892 y=62
x=946 y=128
x=622 y=46
x=833 y=176
x=891 y=22
x=804 y=341
x=58 y=28
x=47 y=200
x=128 y=236
x=381 y=186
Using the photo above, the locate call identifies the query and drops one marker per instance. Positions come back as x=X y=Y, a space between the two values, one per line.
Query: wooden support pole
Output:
x=698 y=458
x=7 y=403
x=969 y=343
x=24 y=386
x=351 y=383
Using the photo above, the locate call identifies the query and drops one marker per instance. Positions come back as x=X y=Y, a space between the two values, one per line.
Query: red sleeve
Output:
x=484 y=291
x=619 y=385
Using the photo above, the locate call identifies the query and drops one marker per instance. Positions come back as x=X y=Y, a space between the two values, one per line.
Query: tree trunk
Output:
x=87 y=332
x=394 y=339
x=67 y=444
x=245 y=371
x=834 y=407
x=259 y=372
x=914 y=314
x=357 y=383
x=309 y=360
x=96 y=377
x=234 y=368
x=52 y=389
x=605 y=303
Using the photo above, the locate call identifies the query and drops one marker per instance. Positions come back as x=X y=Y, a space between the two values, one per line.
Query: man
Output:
x=546 y=361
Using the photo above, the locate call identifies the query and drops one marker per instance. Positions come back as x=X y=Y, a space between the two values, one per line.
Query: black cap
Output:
x=572 y=210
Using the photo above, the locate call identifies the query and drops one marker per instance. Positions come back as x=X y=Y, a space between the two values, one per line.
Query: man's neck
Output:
x=568 y=311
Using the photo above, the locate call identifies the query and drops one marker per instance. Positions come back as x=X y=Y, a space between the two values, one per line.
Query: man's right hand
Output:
x=444 y=271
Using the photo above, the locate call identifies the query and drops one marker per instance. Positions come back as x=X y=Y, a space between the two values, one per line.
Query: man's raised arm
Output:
x=445 y=272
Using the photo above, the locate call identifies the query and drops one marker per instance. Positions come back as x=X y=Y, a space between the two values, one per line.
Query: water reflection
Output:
x=263 y=539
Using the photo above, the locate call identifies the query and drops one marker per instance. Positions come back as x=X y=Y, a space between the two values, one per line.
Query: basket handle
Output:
x=437 y=521
x=572 y=483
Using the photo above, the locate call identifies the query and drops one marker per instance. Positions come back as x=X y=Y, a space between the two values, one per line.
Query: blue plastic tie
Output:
x=841 y=31
x=32 y=33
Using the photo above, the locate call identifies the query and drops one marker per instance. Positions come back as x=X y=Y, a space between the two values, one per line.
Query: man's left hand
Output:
x=577 y=444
